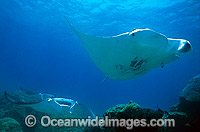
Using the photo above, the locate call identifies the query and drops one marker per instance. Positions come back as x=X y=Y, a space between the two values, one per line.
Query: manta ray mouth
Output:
x=185 y=47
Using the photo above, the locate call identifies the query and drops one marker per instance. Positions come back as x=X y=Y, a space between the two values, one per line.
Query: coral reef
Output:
x=132 y=111
x=9 y=125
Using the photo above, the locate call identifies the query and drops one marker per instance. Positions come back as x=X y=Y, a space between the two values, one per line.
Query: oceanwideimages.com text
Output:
x=46 y=121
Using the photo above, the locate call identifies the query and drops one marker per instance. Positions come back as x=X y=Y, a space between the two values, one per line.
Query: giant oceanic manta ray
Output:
x=132 y=54
x=50 y=104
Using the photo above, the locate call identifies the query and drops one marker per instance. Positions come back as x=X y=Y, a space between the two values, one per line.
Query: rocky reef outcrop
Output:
x=189 y=103
x=132 y=111
x=190 y=97
x=186 y=113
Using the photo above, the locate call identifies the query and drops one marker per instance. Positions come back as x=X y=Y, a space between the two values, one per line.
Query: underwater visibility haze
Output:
x=39 y=50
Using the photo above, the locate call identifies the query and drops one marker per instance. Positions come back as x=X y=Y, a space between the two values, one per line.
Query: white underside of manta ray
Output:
x=132 y=54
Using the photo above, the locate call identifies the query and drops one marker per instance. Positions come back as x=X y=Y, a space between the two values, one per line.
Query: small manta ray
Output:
x=48 y=103
x=132 y=54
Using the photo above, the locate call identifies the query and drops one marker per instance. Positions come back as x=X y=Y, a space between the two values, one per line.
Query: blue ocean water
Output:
x=39 y=51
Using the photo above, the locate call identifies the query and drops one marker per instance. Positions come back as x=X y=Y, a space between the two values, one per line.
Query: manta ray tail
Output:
x=106 y=77
x=88 y=111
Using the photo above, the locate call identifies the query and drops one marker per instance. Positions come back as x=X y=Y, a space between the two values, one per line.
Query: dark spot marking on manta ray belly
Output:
x=139 y=64
x=133 y=62
x=135 y=66
x=136 y=63
x=162 y=65
x=122 y=68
